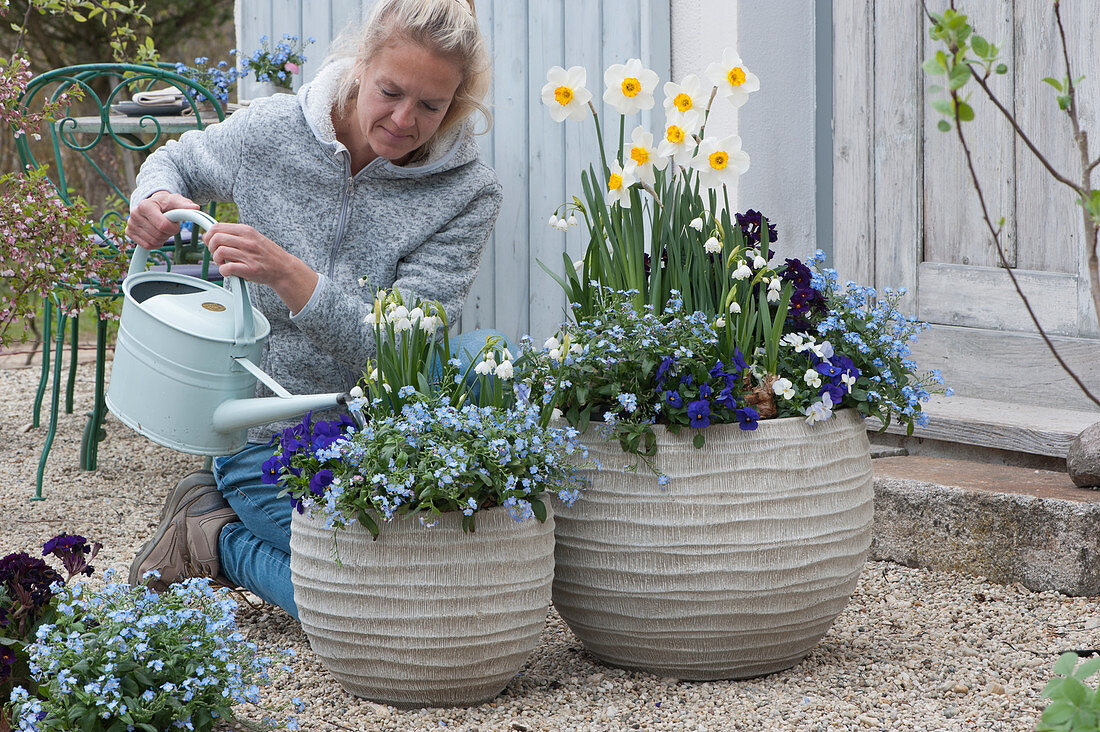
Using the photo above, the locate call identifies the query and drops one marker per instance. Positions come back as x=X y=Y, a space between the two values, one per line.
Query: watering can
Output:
x=185 y=369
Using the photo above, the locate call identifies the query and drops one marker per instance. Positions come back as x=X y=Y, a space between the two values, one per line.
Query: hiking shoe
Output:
x=186 y=541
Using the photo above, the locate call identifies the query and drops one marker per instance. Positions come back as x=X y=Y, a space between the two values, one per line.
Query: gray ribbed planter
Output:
x=424 y=617
x=737 y=567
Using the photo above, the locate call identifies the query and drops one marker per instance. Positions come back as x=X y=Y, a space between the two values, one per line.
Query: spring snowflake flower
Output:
x=629 y=86
x=564 y=93
x=645 y=155
x=484 y=368
x=687 y=96
x=720 y=162
x=696 y=223
x=719 y=322
x=735 y=308
x=504 y=370
x=733 y=80
x=784 y=388
x=741 y=273
x=774 y=289
x=618 y=184
x=712 y=245
x=679 y=138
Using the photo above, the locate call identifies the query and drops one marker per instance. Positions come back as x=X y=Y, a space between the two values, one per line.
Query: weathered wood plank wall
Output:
x=906 y=214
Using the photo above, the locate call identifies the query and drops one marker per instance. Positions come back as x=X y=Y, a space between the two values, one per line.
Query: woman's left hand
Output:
x=241 y=251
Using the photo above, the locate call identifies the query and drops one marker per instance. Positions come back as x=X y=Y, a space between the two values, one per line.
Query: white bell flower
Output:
x=696 y=223
x=504 y=370
x=735 y=308
x=742 y=272
x=712 y=245
x=484 y=368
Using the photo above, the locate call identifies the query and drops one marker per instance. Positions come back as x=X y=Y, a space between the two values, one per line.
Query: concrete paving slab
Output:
x=1005 y=523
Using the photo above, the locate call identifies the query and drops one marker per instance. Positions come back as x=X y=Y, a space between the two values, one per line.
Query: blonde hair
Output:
x=446 y=27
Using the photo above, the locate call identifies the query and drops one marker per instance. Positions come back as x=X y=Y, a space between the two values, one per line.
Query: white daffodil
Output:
x=812 y=378
x=679 y=139
x=712 y=245
x=742 y=272
x=735 y=308
x=733 y=80
x=720 y=161
x=783 y=388
x=564 y=93
x=684 y=97
x=644 y=154
x=629 y=86
x=504 y=370
x=618 y=184
x=696 y=223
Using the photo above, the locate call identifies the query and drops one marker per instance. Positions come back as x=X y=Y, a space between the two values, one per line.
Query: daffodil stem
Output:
x=622 y=138
x=599 y=139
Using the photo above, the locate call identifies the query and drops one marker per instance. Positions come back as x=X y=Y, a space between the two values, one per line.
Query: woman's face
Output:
x=403 y=96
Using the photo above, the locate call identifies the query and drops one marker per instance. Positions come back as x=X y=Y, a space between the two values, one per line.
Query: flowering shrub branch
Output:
x=970 y=56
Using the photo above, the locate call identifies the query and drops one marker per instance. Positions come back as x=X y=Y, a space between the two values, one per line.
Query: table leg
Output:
x=54 y=402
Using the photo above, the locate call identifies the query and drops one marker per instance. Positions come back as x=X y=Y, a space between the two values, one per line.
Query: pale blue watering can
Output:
x=185 y=369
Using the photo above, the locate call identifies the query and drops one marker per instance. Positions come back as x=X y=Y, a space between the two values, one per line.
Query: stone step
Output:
x=1007 y=524
x=1035 y=430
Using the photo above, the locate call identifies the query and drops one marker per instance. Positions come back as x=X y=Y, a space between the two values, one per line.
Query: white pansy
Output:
x=645 y=156
x=794 y=340
x=720 y=162
x=564 y=93
x=735 y=308
x=504 y=370
x=812 y=378
x=630 y=86
x=783 y=388
x=696 y=223
x=848 y=380
x=712 y=245
x=684 y=97
x=742 y=272
x=619 y=182
x=678 y=140
x=733 y=80
x=824 y=350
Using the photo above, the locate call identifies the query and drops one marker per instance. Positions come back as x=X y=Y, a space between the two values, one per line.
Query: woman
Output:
x=369 y=172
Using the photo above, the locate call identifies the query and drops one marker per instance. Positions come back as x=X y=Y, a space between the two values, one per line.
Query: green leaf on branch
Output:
x=980 y=46
x=944 y=125
x=943 y=106
x=958 y=77
x=1001 y=69
x=966 y=112
x=1053 y=82
x=933 y=66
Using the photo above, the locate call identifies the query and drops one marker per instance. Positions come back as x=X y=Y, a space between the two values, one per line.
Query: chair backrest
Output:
x=107 y=146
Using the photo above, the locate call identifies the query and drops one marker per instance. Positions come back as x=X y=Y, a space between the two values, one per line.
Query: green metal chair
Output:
x=89 y=124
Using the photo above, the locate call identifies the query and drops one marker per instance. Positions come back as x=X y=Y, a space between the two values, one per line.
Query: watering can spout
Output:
x=238 y=414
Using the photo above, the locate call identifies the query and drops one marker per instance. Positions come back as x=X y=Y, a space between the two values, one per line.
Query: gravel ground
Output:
x=914 y=650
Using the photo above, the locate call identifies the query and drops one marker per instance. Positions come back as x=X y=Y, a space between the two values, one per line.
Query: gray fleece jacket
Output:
x=420 y=228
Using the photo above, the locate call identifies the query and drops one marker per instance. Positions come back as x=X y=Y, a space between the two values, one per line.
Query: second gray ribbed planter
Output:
x=424 y=616
x=737 y=567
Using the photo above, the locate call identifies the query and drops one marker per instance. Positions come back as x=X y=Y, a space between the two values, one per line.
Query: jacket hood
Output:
x=317 y=100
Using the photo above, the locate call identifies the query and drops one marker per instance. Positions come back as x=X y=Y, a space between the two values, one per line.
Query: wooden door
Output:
x=907 y=214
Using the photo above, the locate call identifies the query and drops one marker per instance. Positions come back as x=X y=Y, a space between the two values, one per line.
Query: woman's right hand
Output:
x=148 y=227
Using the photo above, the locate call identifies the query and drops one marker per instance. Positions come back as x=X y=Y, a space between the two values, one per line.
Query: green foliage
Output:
x=1074 y=705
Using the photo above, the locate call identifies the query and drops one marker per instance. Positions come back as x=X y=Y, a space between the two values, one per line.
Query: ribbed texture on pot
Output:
x=737 y=567
x=424 y=617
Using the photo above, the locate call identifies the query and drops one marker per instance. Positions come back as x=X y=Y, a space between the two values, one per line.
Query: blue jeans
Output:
x=254 y=552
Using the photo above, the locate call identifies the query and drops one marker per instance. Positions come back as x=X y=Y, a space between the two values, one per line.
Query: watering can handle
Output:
x=244 y=327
